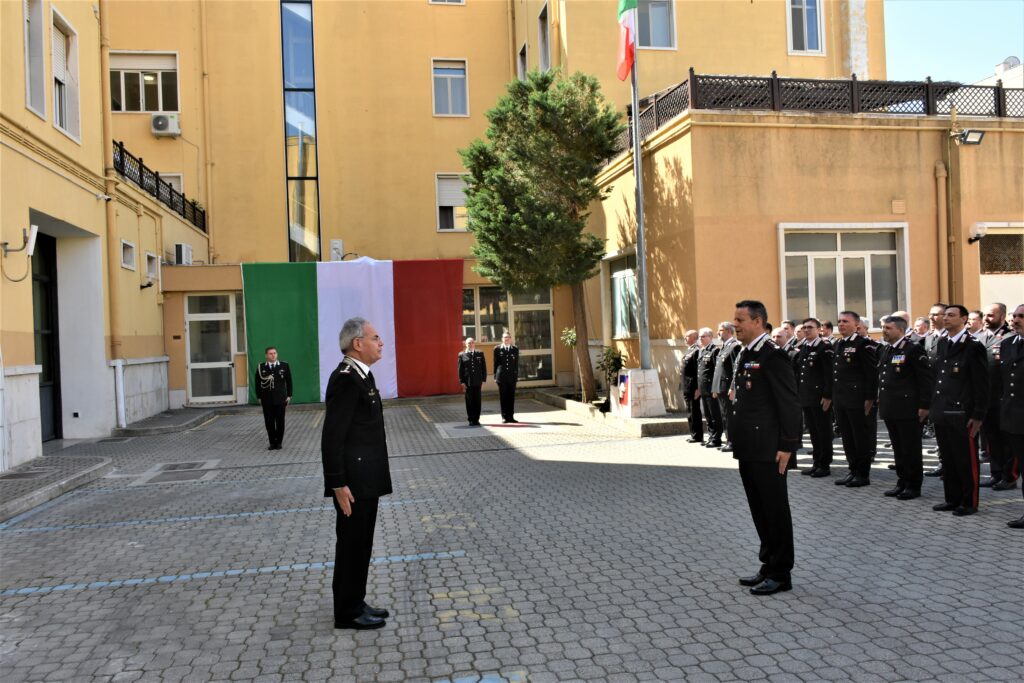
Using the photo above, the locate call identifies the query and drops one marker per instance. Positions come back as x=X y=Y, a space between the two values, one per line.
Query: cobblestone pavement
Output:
x=556 y=550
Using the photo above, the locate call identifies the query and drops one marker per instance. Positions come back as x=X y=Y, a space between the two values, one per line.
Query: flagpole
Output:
x=641 y=255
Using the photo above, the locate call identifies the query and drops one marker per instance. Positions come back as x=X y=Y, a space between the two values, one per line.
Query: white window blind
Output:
x=143 y=62
x=60 y=55
x=450 y=191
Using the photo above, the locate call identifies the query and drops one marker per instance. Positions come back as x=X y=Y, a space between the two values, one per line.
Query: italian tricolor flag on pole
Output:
x=627 y=37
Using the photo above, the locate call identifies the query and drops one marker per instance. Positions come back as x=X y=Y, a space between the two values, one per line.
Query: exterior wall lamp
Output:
x=978 y=230
x=967 y=136
x=28 y=242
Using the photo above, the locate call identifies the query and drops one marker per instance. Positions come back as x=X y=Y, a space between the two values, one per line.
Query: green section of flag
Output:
x=625 y=6
x=280 y=311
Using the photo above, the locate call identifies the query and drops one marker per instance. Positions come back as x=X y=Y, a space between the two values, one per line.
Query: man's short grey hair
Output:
x=728 y=326
x=350 y=331
x=705 y=330
x=898 y=321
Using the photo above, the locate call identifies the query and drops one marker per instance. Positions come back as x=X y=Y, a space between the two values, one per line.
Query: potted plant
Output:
x=611 y=361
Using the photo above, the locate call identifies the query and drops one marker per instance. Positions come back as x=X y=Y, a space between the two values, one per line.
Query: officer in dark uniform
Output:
x=721 y=381
x=356 y=472
x=958 y=407
x=472 y=373
x=688 y=383
x=854 y=390
x=506 y=374
x=1011 y=407
x=274 y=390
x=766 y=431
x=1004 y=475
x=705 y=375
x=862 y=330
x=814 y=391
x=905 y=383
x=930 y=341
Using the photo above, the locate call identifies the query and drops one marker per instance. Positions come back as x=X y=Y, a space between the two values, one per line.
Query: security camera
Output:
x=30 y=244
x=104 y=197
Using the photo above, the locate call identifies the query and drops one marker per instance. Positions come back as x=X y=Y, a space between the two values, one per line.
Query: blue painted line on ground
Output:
x=194 y=518
x=220 y=573
x=214 y=482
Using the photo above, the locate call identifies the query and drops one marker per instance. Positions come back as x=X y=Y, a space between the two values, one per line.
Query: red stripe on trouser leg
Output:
x=973 y=450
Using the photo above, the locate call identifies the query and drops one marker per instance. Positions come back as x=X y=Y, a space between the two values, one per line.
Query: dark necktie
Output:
x=369 y=378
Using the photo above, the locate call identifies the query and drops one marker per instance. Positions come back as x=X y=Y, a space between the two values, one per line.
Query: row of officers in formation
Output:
x=957 y=372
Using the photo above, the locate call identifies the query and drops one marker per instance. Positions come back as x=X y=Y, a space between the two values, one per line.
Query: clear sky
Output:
x=954 y=40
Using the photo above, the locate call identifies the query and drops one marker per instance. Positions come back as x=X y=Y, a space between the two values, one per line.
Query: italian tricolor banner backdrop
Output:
x=299 y=308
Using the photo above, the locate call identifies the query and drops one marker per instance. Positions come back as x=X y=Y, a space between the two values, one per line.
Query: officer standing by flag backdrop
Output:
x=472 y=373
x=506 y=374
x=274 y=390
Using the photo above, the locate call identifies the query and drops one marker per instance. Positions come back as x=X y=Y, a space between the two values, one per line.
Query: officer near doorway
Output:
x=274 y=390
x=506 y=374
x=472 y=373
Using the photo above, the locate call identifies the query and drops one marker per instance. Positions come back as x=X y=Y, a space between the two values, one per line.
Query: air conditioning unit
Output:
x=165 y=125
x=182 y=254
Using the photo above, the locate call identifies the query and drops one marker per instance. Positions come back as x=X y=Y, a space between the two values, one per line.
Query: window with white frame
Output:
x=543 y=40
x=64 y=64
x=488 y=311
x=521 y=65
x=127 y=255
x=484 y=313
x=805 y=26
x=624 y=297
x=656 y=19
x=175 y=180
x=35 y=72
x=152 y=266
x=141 y=82
x=451 y=203
x=829 y=272
x=450 y=88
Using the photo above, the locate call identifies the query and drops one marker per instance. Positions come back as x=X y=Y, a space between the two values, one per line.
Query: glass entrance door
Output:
x=44 y=309
x=209 y=331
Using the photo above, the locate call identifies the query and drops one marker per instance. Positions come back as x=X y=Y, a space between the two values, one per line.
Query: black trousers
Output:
x=473 y=403
x=713 y=416
x=507 y=396
x=1015 y=448
x=273 y=418
x=853 y=425
x=725 y=410
x=352 y=551
x=905 y=436
x=872 y=433
x=694 y=418
x=959 y=462
x=768 y=498
x=819 y=424
x=1000 y=460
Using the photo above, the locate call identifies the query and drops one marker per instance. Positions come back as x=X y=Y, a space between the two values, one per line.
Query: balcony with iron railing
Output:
x=843 y=96
x=149 y=181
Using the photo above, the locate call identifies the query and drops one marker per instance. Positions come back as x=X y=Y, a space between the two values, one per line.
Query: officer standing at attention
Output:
x=506 y=374
x=766 y=431
x=721 y=381
x=854 y=390
x=958 y=409
x=1004 y=477
x=356 y=472
x=705 y=375
x=274 y=390
x=814 y=391
x=862 y=330
x=905 y=383
x=688 y=383
x=472 y=373
x=1011 y=413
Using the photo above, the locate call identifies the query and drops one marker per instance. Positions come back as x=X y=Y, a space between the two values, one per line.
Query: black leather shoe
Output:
x=908 y=494
x=1016 y=523
x=271 y=447
x=770 y=586
x=695 y=439
x=845 y=480
x=964 y=511
x=752 y=580
x=988 y=482
x=944 y=507
x=822 y=472
x=893 y=492
x=937 y=472
x=1004 y=485
x=727 y=448
x=810 y=472
x=378 y=612
x=363 y=622
x=857 y=482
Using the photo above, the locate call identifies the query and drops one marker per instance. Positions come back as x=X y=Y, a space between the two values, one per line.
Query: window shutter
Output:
x=143 y=62
x=450 y=191
x=60 y=57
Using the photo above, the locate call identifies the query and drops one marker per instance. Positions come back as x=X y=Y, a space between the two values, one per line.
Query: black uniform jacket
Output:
x=814 y=374
x=905 y=380
x=854 y=373
x=1011 y=380
x=282 y=389
x=353 y=446
x=706 y=368
x=689 y=378
x=725 y=367
x=961 y=380
x=766 y=417
x=992 y=342
x=472 y=368
x=506 y=364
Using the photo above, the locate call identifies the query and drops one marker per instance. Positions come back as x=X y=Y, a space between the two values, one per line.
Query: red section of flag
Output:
x=428 y=326
x=625 y=54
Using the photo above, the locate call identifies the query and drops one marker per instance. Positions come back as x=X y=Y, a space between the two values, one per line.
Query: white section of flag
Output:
x=364 y=288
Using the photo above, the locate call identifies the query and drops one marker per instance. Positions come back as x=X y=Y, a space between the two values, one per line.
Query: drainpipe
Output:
x=513 y=50
x=207 y=133
x=122 y=418
x=941 y=207
x=110 y=187
x=4 y=429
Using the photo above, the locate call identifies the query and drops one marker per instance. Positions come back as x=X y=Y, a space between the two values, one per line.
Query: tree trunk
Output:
x=579 y=316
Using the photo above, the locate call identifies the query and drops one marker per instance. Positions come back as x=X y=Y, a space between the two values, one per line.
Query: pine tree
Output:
x=530 y=185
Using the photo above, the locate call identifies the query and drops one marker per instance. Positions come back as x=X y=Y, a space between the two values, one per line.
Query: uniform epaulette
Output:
x=346 y=370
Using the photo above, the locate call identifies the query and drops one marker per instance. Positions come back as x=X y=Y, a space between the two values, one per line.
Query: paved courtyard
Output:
x=553 y=550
